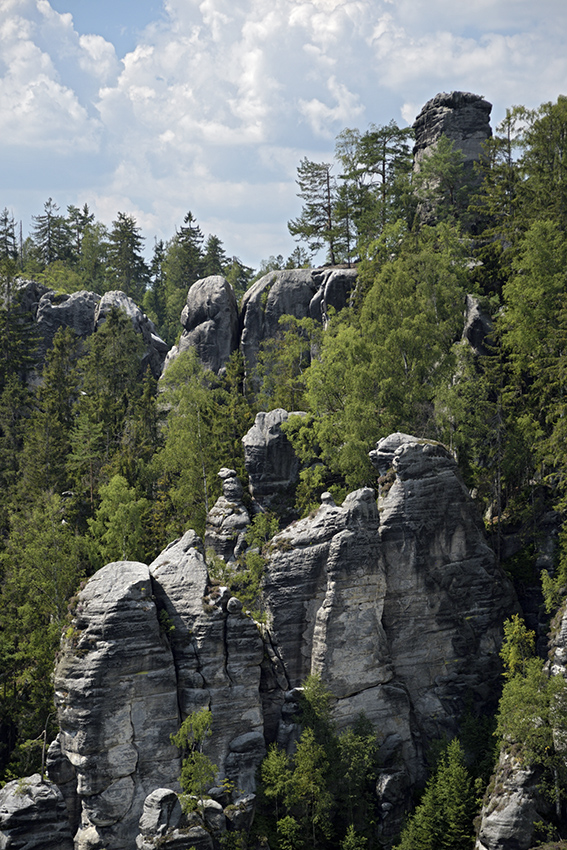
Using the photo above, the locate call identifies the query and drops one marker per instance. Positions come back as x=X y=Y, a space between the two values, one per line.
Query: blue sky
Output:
x=157 y=107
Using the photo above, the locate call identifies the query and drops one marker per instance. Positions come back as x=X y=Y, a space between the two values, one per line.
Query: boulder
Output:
x=59 y=310
x=271 y=462
x=210 y=322
x=228 y=519
x=33 y=816
x=463 y=117
x=155 y=348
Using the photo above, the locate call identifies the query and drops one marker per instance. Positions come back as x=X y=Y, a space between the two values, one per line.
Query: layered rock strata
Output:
x=33 y=816
x=271 y=462
x=463 y=117
x=228 y=519
x=397 y=604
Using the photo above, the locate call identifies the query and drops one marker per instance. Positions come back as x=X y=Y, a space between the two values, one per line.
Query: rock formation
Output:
x=463 y=117
x=33 y=816
x=210 y=322
x=76 y=311
x=292 y=292
x=398 y=604
x=155 y=348
x=228 y=519
x=271 y=463
x=516 y=800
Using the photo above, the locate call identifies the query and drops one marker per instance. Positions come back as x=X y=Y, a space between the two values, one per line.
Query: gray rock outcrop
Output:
x=155 y=348
x=217 y=652
x=271 y=462
x=116 y=694
x=397 y=604
x=334 y=290
x=75 y=311
x=508 y=817
x=210 y=323
x=33 y=816
x=228 y=519
x=463 y=117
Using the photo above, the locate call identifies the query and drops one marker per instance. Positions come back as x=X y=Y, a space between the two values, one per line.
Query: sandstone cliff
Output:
x=397 y=603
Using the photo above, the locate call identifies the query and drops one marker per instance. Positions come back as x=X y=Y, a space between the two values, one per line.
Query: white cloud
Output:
x=214 y=108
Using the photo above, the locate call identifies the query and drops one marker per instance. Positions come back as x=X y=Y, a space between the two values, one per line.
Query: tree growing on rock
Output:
x=197 y=771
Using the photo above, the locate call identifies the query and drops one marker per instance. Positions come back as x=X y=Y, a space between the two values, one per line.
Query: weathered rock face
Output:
x=217 y=652
x=463 y=117
x=508 y=817
x=33 y=816
x=334 y=289
x=156 y=348
x=76 y=311
x=279 y=293
x=210 y=322
x=228 y=519
x=116 y=693
x=399 y=607
x=271 y=463
x=397 y=604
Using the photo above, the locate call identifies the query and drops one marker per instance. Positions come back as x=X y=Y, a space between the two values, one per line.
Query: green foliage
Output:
x=517 y=647
x=118 y=527
x=327 y=788
x=532 y=713
x=443 y=819
x=41 y=566
x=203 y=432
x=197 y=771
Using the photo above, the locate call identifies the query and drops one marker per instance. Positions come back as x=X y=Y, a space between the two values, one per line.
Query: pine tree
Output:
x=47 y=433
x=51 y=235
x=8 y=245
x=214 y=257
x=126 y=268
x=315 y=226
x=118 y=528
x=443 y=819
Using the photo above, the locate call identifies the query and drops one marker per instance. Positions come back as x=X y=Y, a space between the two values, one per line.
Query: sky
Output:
x=159 y=107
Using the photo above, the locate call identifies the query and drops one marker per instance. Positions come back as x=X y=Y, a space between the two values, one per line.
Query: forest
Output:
x=97 y=466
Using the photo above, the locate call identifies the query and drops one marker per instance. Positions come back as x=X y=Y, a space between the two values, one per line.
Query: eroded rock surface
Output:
x=228 y=519
x=210 y=322
x=396 y=603
x=33 y=816
x=399 y=606
x=463 y=117
x=508 y=817
x=271 y=462
x=116 y=693
x=75 y=311
x=218 y=651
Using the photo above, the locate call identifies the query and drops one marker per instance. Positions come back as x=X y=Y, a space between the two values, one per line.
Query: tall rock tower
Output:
x=463 y=117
